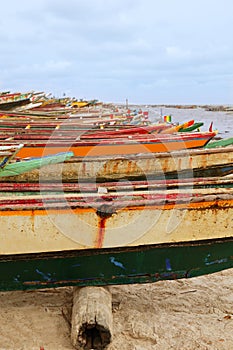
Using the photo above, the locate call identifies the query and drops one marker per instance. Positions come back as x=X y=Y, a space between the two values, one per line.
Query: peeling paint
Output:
x=46 y=277
x=116 y=263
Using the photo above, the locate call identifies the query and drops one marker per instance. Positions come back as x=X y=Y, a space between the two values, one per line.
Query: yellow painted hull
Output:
x=71 y=224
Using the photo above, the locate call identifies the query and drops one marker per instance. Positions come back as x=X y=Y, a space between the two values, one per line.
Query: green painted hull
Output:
x=220 y=143
x=22 y=167
x=191 y=128
x=96 y=267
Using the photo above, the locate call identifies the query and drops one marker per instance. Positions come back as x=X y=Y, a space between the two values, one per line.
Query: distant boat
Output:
x=79 y=104
x=12 y=100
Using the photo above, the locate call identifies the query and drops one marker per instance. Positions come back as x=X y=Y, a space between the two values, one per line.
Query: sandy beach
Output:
x=181 y=314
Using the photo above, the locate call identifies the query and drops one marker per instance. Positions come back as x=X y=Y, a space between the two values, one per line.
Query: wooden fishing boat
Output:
x=193 y=127
x=121 y=132
x=178 y=164
x=79 y=104
x=8 y=96
x=142 y=144
x=51 y=240
x=83 y=133
x=9 y=101
x=74 y=130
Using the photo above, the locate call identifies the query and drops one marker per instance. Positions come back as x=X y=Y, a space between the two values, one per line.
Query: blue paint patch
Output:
x=45 y=277
x=219 y=261
x=168 y=265
x=116 y=263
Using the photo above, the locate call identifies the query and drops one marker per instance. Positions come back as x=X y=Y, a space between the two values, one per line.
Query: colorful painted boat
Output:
x=9 y=101
x=122 y=132
x=176 y=128
x=79 y=104
x=51 y=240
x=178 y=164
x=191 y=128
x=142 y=144
x=40 y=132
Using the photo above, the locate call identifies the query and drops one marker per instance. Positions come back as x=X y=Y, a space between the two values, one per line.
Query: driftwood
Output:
x=92 y=319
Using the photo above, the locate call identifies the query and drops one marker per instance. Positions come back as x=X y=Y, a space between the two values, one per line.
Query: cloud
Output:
x=113 y=49
x=175 y=52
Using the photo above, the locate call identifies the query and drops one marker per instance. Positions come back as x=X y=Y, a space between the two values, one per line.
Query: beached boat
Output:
x=12 y=100
x=193 y=127
x=178 y=164
x=140 y=144
x=44 y=132
x=79 y=104
x=143 y=129
x=130 y=236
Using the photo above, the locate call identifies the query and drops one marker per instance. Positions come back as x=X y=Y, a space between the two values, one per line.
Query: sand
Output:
x=182 y=314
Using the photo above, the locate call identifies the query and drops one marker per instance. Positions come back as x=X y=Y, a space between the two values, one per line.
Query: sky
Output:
x=145 y=51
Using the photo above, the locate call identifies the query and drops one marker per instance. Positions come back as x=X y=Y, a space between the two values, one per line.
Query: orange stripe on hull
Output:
x=170 y=206
x=101 y=150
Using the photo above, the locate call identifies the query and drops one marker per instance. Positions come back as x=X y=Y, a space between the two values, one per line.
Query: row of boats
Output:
x=95 y=194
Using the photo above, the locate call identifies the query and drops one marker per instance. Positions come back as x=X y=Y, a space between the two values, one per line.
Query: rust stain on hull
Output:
x=103 y=213
x=101 y=232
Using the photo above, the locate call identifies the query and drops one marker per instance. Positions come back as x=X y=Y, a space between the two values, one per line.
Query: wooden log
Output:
x=91 y=325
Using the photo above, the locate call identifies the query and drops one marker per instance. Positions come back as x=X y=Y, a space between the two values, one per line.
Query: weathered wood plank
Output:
x=91 y=318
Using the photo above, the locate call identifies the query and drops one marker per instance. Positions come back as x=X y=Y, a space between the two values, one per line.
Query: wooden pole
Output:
x=92 y=319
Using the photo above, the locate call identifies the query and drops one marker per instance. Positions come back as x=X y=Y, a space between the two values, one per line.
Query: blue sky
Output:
x=148 y=51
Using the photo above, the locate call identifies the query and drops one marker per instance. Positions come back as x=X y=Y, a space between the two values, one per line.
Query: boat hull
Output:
x=125 y=146
x=115 y=266
x=186 y=163
x=40 y=223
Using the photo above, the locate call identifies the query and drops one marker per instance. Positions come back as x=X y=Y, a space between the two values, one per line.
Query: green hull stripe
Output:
x=115 y=266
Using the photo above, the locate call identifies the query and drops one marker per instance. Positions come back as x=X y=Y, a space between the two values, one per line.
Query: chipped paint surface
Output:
x=125 y=236
x=129 y=222
x=117 y=263
x=127 y=166
x=115 y=266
